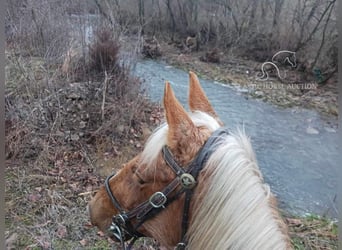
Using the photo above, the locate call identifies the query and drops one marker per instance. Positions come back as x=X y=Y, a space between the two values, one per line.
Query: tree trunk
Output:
x=277 y=11
x=173 y=21
x=141 y=15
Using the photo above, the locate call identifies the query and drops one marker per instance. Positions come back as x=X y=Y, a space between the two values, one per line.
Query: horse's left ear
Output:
x=179 y=122
x=197 y=98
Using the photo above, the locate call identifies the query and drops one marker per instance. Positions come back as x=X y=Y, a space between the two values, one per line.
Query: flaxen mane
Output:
x=236 y=211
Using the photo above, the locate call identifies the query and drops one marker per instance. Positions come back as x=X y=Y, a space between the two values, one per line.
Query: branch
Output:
x=323 y=37
x=104 y=96
x=102 y=12
x=301 y=44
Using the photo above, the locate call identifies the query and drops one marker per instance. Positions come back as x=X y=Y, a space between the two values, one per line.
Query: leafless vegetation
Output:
x=73 y=108
x=74 y=113
x=253 y=29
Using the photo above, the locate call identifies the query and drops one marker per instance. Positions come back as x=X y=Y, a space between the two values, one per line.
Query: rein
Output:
x=123 y=229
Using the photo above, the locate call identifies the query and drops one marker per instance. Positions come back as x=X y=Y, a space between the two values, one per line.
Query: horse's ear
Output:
x=197 y=98
x=178 y=120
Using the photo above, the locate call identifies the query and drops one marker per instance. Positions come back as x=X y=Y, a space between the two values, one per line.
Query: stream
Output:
x=297 y=149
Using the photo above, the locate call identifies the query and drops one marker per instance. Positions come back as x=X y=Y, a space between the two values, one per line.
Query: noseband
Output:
x=122 y=228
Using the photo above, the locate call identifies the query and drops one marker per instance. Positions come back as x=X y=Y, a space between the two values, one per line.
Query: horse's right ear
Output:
x=198 y=99
x=179 y=123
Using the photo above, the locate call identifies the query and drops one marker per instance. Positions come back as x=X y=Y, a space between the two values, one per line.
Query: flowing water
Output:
x=299 y=165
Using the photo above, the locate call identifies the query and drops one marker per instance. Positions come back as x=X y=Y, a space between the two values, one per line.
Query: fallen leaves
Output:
x=312 y=232
x=34 y=197
x=61 y=231
x=88 y=225
x=10 y=241
x=83 y=242
x=293 y=222
x=43 y=242
x=101 y=234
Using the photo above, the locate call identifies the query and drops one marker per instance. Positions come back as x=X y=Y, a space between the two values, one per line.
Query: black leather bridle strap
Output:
x=141 y=211
x=111 y=196
x=168 y=157
x=195 y=167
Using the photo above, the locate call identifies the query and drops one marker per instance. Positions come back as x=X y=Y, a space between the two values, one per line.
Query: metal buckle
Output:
x=158 y=200
x=116 y=231
x=180 y=246
x=120 y=219
x=187 y=181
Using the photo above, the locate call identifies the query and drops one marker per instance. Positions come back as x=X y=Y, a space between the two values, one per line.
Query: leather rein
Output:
x=122 y=228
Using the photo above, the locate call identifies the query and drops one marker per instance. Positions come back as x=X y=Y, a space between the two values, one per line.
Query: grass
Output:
x=313 y=232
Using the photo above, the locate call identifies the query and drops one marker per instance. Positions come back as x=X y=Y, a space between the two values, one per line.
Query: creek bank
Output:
x=242 y=74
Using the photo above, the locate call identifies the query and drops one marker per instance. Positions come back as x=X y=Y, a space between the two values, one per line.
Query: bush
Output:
x=212 y=56
x=104 y=52
x=260 y=47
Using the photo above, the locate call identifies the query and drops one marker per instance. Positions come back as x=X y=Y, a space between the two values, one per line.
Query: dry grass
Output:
x=62 y=138
x=313 y=232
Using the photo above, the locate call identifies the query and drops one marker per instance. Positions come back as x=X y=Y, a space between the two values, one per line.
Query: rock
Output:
x=73 y=96
x=59 y=133
x=243 y=90
x=330 y=130
x=83 y=124
x=333 y=110
x=259 y=93
x=312 y=131
x=120 y=128
x=74 y=137
x=85 y=116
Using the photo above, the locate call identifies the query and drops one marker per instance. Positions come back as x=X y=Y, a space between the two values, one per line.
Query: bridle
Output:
x=122 y=228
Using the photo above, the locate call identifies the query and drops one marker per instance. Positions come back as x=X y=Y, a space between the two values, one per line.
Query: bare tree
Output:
x=278 y=5
x=319 y=51
x=141 y=15
x=303 y=41
x=172 y=17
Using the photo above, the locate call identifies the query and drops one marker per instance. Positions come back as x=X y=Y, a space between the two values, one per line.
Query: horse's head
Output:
x=148 y=173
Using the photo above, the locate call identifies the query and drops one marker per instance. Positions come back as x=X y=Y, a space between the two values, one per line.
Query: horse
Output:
x=195 y=185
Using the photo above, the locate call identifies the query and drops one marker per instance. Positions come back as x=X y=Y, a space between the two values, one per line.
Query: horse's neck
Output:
x=235 y=212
